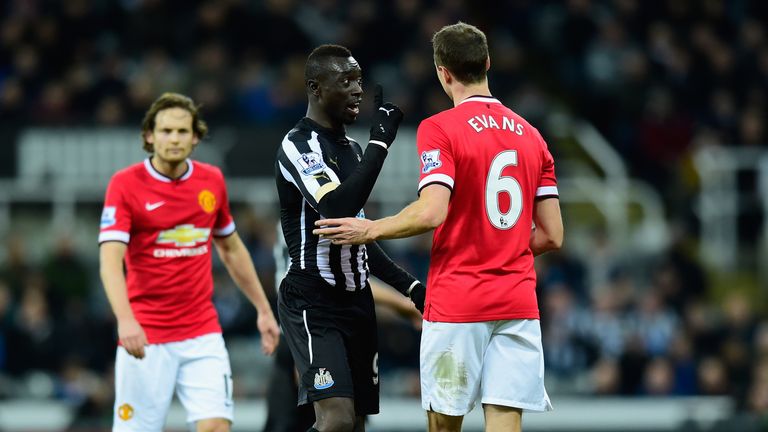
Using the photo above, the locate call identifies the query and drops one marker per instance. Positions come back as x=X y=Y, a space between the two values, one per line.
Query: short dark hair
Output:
x=462 y=49
x=317 y=60
x=172 y=100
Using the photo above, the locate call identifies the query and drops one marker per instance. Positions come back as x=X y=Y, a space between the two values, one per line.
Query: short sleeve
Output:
x=116 y=215
x=225 y=223
x=548 y=181
x=435 y=154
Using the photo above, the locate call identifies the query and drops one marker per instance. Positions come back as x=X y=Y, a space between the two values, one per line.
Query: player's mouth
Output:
x=354 y=108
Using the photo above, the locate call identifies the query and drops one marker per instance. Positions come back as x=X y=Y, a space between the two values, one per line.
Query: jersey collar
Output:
x=164 y=178
x=336 y=135
x=477 y=98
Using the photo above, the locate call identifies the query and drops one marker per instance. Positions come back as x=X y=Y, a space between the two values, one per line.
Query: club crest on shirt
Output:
x=207 y=200
x=323 y=379
x=431 y=160
x=108 y=216
x=311 y=162
x=125 y=412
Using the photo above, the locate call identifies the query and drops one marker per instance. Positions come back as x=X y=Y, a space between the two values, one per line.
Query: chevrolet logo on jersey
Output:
x=184 y=235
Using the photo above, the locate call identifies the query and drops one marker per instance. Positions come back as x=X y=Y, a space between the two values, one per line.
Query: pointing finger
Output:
x=378 y=96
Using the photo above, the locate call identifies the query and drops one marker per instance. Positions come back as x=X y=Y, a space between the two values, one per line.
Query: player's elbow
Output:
x=430 y=220
x=332 y=206
x=543 y=241
x=554 y=241
x=556 y=244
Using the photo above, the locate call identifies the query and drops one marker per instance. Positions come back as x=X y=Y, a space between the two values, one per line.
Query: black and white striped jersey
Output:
x=309 y=157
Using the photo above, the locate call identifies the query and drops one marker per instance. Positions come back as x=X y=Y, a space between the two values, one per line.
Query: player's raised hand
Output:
x=270 y=332
x=378 y=96
x=132 y=336
x=386 y=120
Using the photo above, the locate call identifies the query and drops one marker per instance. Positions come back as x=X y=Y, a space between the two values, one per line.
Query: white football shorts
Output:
x=499 y=362
x=197 y=369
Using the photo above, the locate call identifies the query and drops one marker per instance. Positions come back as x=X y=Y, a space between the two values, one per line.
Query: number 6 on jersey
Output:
x=498 y=183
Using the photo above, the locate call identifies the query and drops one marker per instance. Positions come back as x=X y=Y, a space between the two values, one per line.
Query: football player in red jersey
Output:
x=160 y=218
x=487 y=177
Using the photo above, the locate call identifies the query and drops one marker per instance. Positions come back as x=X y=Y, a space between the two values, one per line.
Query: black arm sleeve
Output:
x=348 y=199
x=385 y=269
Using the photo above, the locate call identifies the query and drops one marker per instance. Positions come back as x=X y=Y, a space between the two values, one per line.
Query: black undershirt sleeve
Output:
x=348 y=199
x=384 y=268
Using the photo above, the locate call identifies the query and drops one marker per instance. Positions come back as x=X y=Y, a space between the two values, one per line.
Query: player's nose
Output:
x=357 y=89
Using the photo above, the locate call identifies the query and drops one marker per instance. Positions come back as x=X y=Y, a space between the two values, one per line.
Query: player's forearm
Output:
x=416 y=218
x=350 y=196
x=387 y=270
x=548 y=229
x=542 y=242
x=387 y=296
x=113 y=279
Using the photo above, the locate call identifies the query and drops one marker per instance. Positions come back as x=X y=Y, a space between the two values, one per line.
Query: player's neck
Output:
x=318 y=116
x=172 y=170
x=460 y=91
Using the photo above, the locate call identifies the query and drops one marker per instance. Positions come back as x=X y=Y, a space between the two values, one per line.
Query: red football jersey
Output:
x=168 y=226
x=496 y=164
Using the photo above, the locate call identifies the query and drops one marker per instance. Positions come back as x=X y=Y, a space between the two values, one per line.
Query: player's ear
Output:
x=313 y=87
x=487 y=63
x=149 y=137
x=445 y=74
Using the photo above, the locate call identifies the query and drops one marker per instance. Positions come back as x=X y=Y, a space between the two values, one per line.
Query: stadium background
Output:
x=654 y=314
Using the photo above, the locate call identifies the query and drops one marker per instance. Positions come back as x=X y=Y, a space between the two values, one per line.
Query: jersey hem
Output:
x=308 y=281
x=118 y=235
x=225 y=231
x=432 y=317
x=439 y=178
x=450 y=188
x=101 y=242
x=165 y=340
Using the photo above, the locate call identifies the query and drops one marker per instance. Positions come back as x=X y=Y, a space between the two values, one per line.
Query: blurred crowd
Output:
x=654 y=76
x=657 y=78
x=613 y=324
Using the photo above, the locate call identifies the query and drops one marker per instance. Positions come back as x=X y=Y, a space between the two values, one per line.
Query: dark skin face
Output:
x=334 y=98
